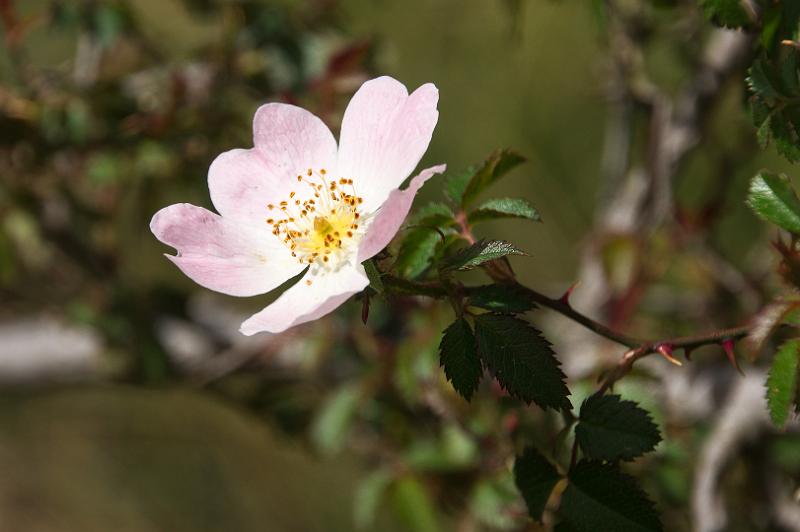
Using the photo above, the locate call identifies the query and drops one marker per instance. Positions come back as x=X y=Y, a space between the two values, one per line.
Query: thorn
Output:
x=365 y=308
x=665 y=350
x=566 y=295
x=727 y=345
x=687 y=352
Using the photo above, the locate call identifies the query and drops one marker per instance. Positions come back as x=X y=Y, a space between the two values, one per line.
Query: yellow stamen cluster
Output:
x=319 y=225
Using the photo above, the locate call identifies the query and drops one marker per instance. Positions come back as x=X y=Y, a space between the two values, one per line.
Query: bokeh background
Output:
x=130 y=402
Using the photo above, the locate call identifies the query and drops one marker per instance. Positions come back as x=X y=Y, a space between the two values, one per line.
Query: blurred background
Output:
x=128 y=400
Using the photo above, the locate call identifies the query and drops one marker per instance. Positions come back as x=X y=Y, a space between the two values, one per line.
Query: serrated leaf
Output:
x=535 y=478
x=478 y=253
x=504 y=208
x=782 y=381
x=433 y=214
x=417 y=251
x=459 y=358
x=493 y=168
x=373 y=275
x=726 y=13
x=783 y=135
x=611 y=428
x=521 y=360
x=773 y=199
x=601 y=497
x=500 y=298
x=761 y=82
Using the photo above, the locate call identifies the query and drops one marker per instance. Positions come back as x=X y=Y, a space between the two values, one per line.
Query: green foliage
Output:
x=775 y=104
x=500 y=298
x=413 y=505
x=332 y=424
x=773 y=198
x=782 y=381
x=373 y=275
x=601 y=497
x=726 y=13
x=478 y=253
x=613 y=429
x=417 y=251
x=465 y=187
x=368 y=497
x=535 y=478
x=459 y=357
x=504 y=208
x=522 y=360
x=433 y=214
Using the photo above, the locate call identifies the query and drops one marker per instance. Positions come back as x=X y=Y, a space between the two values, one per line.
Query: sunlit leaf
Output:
x=478 y=253
x=772 y=197
x=504 y=208
x=782 y=381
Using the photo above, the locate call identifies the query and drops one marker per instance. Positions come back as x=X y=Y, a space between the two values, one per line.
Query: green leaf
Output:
x=782 y=381
x=773 y=199
x=456 y=184
x=601 y=497
x=504 y=208
x=522 y=360
x=478 y=253
x=493 y=168
x=727 y=13
x=459 y=357
x=502 y=298
x=373 y=275
x=332 y=425
x=368 y=497
x=433 y=214
x=535 y=478
x=760 y=81
x=417 y=251
x=612 y=429
x=413 y=505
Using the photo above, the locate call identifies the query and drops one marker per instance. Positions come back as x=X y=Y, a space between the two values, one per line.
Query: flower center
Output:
x=320 y=226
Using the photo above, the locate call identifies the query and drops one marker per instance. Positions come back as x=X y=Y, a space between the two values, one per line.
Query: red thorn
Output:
x=727 y=345
x=365 y=309
x=665 y=350
x=566 y=295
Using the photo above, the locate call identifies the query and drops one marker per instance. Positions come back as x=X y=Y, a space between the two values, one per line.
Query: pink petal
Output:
x=227 y=256
x=390 y=217
x=385 y=132
x=303 y=302
x=288 y=141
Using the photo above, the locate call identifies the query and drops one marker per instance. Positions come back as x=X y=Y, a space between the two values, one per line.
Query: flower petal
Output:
x=305 y=302
x=288 y=141
x=390 y=217
x=227 y=256
x=385 y=133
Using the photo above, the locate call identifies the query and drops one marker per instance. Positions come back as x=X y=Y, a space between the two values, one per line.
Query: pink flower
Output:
x=296 y=201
